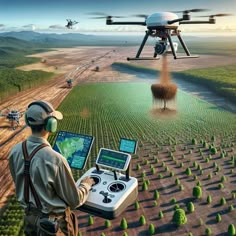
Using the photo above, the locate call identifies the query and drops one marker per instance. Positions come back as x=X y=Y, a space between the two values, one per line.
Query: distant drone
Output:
x=70 y=23
x=162 y=25
x=14 y=117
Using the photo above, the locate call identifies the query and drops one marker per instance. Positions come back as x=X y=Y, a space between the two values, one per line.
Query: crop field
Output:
x=200 y=137
x=176 y=152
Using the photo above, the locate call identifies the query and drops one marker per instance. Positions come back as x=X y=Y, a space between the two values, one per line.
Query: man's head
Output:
x=41 y=115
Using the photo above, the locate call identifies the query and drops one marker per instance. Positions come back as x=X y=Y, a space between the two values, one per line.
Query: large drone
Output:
x=70 y=23
x=162 y=25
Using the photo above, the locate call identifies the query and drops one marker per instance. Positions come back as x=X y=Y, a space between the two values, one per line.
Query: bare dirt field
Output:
x=79 y=64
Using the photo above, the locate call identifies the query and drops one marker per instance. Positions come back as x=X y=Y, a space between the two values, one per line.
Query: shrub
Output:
x=220 y=186
x=231 y=208
x=209 y=200
x=151 y=229
x=210 y=176
x=173 y=200
x=125 y=234
x=194 y=141
x=160 y=176
x=154 y=203
x=197 y=192
x=161 y=215
x=223 y=179
x=177 y=181
x=190 y=207
x=156 y=195
x=213 y=150
x=123 y=224
x=218 y=217
x=222 y=201
x=138 y=167
x=200 y=221
x=102 y=234
x=208 y=231
x=172 y=174
x=188 y=172
x=145 y=186
x=181 y=187
x=179 y=217
x=231 y=230
x=90 y=220
x=136 y=205
x=107 y=223
x=142 y=220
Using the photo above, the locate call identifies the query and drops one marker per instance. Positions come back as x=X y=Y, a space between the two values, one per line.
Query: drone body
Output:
x=70 y=23
x=160 y=20
x=163 y=25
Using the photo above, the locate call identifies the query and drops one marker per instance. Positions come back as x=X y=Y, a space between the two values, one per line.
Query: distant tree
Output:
x=123 y=223
x=231 y=230
x=142 y=220
x=218 y=217
x=179 y=217
x=190 y=207
x=151 y=229
x=197 y=191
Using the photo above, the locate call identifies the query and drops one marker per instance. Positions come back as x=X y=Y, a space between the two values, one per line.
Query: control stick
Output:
x=106 y=199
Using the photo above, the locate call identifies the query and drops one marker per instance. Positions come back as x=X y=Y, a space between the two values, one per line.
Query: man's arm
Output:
x=67 y=190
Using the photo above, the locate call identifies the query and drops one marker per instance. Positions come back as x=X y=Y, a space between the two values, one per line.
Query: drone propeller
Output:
x=191 y=10
x=218 y=15
x=101 y=15
x=141 y=15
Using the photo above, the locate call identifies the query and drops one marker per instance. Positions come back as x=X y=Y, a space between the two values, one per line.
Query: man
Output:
x=43 y=180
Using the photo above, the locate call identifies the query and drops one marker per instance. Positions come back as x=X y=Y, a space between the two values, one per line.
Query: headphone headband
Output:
x=44 y=105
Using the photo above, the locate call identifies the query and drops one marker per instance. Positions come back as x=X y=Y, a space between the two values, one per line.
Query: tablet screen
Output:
x=128 y=145
x=74 y=147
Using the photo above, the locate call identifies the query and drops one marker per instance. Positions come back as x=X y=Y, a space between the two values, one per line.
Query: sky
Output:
x=50 y=15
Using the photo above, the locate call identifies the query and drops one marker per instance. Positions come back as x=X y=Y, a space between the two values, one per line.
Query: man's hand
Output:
x=88 y=180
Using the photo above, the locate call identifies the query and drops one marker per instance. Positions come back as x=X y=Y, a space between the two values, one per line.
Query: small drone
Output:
x=162 y=25
x=14 y=117
x=70 y=23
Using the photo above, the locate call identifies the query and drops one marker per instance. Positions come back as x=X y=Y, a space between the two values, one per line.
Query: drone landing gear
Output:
x=142 y=58
x=183 y=45
x=137 y=58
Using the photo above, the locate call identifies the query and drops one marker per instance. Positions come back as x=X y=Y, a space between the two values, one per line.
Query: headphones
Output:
x=50 y=123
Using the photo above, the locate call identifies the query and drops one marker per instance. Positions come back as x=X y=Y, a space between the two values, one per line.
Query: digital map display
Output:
x=74 y=147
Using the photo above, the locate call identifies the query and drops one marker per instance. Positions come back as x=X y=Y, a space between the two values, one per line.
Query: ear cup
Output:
x=51 y=124
x=26 y=120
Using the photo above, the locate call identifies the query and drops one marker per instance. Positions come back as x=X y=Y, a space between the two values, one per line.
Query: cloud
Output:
x=56 y=27
x=2 y=25
x=29 y=26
